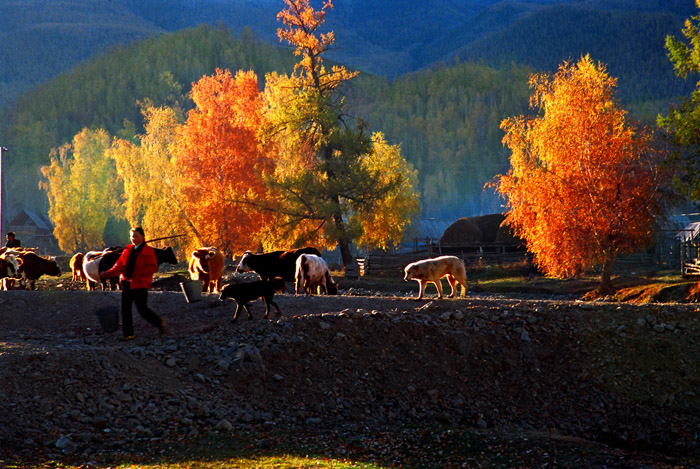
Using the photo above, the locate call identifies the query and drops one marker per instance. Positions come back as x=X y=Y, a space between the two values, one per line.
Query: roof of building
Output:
x=432 y=227
x=27 y=217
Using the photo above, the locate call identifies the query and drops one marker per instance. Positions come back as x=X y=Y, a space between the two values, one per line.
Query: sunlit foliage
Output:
x=220 y=162
x=150 y=177
x=584 y=184
x=326 y=180
x=682 y=123
x=83 y=190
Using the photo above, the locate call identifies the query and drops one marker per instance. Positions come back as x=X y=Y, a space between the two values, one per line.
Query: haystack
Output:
x=506 y=236
x=489 y=224
x=463 y=231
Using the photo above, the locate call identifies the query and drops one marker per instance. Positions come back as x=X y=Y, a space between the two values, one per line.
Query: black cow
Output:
x=274 y=264
x=109 y=257
x=165 y=255
x=33 y=266
x=243 y=293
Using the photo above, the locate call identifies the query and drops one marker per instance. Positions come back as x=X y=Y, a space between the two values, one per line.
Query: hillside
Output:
x=630 y=43
x=445 y=117
x=41 y=38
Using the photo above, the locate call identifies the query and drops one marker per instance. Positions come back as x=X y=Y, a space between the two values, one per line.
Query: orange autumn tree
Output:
x=585 y=185
x=220 y=162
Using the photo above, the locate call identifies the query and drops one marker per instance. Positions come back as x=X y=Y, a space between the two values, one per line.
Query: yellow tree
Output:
x=220 y=162
x=327 y=189
x=386 y=220
x=585 y=184
x=81 y=184
x=150 y=177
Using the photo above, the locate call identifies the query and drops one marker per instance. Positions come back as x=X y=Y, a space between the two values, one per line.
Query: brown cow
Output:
x=33 y=266
x=207 y=264
x=76 y=266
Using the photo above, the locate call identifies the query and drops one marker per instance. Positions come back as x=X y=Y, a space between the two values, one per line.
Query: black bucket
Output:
x=108 y=316
x=192 y=290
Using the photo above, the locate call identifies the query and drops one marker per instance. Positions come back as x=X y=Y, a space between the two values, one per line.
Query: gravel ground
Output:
x=371 y=374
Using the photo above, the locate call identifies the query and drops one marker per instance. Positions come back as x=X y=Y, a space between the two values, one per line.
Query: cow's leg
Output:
x=235 y=315
x=247 y=310
x=268 y=301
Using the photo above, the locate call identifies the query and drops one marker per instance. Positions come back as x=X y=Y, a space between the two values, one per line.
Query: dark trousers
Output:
x=137 y=296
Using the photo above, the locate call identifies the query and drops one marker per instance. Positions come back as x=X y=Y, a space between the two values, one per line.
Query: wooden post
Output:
x=2 y=190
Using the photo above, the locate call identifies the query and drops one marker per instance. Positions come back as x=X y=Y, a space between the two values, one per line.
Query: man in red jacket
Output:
x=136 y=267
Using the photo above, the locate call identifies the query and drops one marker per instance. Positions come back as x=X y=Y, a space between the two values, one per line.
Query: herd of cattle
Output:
x=21 y=267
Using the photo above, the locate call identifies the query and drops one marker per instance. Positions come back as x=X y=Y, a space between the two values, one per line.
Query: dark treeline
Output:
x=446 y=119
x=104 y=92
x=630 y=43
x=447 y=122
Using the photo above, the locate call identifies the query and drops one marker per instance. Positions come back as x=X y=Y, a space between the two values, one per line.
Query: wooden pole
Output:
x=164 y=238
x=2 y=190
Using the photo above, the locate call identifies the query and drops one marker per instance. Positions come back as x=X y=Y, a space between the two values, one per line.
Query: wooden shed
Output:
x=34 y=230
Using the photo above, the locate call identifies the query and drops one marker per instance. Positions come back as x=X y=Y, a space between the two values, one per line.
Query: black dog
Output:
x=242 y=293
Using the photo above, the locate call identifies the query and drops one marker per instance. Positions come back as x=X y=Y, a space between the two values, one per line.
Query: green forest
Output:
x=445 y=118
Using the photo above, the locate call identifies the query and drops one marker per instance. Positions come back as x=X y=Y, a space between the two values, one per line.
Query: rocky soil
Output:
x=488 y=380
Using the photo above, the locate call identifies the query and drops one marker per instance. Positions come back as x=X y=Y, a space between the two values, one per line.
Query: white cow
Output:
x=312 y=274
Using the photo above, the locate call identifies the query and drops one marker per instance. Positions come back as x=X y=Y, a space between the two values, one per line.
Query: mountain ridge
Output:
x=387 y=38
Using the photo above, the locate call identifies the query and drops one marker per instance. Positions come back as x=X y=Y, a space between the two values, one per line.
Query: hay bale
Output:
x=462 y=231
x=506 y=236
x=488 y=225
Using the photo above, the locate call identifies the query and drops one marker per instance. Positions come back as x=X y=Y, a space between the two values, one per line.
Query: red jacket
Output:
x=146 y=265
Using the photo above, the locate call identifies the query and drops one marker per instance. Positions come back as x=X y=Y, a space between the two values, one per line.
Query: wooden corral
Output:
x=380 y=263
x=479 y=241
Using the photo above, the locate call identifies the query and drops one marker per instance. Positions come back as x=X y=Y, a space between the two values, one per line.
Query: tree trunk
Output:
x=343 y=241
x=348 y=260
x=605 y=287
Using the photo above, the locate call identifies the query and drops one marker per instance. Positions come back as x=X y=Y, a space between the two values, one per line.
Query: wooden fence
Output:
x=381 y=263
x=478 y=256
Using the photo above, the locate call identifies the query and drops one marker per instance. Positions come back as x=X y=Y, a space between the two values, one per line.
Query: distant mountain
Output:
x=630 y=43
x=41 y=38
x=445 y=72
